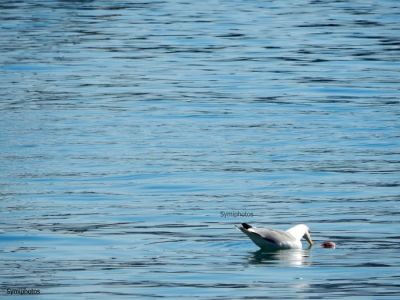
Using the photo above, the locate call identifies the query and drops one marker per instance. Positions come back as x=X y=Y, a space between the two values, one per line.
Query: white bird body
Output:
x=271 y=239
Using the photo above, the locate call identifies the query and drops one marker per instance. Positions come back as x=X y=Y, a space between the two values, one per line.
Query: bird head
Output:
x=307 y=236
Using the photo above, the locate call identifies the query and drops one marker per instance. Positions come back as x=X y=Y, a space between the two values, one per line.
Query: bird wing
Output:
x=277 y=237
x=269 y=238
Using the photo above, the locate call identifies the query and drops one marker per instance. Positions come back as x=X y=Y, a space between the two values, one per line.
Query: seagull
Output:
x=271 y=239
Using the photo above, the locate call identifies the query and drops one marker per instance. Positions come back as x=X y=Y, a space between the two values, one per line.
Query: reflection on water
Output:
x=126 y=127
x=290 y=257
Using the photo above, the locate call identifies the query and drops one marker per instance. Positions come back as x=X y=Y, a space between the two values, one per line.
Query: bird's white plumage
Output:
x=271 y=239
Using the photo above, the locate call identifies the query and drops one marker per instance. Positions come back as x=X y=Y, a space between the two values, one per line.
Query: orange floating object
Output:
x=328 y=244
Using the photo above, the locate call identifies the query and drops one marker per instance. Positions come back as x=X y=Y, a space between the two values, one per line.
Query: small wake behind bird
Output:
x=272 y=239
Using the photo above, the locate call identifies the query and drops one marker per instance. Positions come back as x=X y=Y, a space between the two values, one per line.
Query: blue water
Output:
x=128 y=127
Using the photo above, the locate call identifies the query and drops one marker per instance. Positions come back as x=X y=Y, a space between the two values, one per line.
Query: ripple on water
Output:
x=128 y=127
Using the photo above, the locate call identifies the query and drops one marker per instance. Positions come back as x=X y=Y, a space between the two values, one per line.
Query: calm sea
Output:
x=134 y=135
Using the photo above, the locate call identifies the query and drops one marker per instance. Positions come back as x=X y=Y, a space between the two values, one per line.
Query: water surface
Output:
x=127 y=127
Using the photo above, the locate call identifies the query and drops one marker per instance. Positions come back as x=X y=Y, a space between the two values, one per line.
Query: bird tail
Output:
x=246 y=226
